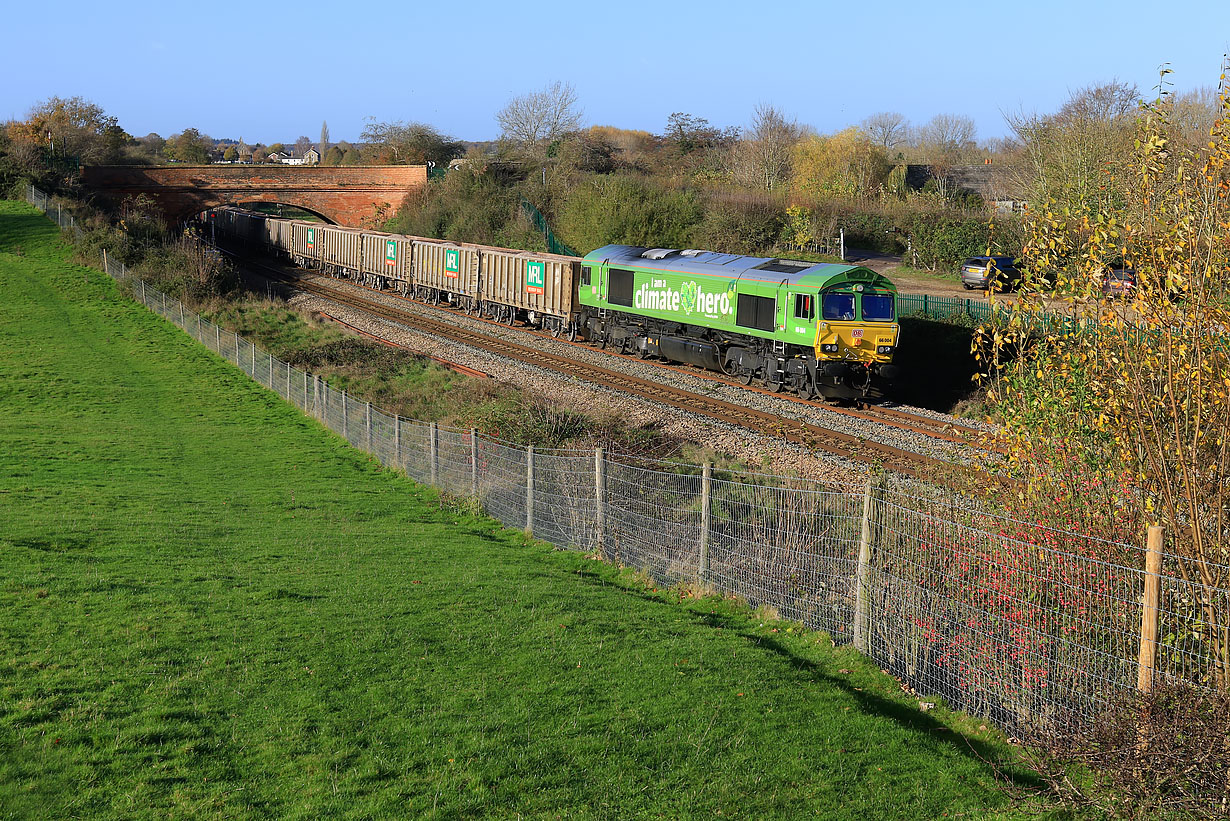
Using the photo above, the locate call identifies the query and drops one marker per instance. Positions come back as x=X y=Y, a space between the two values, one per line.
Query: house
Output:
x=287 y=157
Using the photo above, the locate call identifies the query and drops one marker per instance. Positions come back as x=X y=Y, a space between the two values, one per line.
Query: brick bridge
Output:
x=350 y=195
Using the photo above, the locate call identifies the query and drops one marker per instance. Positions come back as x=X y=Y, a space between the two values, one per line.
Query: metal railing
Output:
x=1024 y=624
x=555 y=245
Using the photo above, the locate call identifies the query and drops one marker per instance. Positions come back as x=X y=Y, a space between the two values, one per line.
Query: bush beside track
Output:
x=214 y=607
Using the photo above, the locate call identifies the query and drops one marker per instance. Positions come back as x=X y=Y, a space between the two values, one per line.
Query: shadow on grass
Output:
x=909 y=717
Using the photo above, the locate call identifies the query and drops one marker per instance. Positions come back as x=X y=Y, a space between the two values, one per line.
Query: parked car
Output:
x=987 y=272
x=1119 y=282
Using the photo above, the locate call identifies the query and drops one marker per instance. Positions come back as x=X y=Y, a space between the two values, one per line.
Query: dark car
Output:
x=1119 y=282
x=985 y=272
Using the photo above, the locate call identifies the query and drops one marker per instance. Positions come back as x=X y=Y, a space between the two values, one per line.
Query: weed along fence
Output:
x=1026 y=625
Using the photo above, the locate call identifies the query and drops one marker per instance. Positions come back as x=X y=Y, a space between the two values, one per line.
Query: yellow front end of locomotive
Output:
x=866 y=342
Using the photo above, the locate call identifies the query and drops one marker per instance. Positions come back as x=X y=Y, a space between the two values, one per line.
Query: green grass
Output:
x=213 y=608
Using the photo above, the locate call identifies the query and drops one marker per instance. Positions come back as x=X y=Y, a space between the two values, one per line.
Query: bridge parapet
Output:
x=347 y=195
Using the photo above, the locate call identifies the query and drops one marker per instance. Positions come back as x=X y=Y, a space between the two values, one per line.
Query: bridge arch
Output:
x=247 y=202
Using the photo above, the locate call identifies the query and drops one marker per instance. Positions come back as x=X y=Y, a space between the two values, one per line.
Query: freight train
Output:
x=816 y=329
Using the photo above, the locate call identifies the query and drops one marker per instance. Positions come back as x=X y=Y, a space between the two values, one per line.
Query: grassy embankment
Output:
x=213 y=607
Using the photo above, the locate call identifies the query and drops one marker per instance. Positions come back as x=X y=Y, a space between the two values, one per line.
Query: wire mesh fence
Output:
x=1026 y=625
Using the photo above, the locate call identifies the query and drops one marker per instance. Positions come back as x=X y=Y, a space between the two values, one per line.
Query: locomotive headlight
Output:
x=828 y=349
x=884 y=349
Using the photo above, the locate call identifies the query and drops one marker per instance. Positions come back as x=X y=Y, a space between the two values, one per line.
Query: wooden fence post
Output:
x=600 y=500
x=706 y=486
x=529 y=491
x=368 y=420
x=434 y=449
x=862 y=593
x=474 y=463
x=1149 y=612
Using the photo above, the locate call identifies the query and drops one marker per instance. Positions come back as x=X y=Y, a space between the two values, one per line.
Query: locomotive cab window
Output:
x=584 y=274
x=878 y=307
x=838 y=306
x=804 y=306
x=619 y=287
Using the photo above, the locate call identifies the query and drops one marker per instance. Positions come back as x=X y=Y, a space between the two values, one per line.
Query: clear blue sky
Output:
x=270 y=72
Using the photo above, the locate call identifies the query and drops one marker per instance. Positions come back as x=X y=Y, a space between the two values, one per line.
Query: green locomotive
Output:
x=812 y=328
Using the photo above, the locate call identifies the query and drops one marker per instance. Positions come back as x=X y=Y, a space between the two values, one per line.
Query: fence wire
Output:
x=1026 y=625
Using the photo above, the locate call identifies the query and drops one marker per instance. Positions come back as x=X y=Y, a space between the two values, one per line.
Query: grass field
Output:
x=213 y=608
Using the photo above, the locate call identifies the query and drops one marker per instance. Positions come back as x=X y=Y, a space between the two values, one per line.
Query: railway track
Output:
x=816 y=438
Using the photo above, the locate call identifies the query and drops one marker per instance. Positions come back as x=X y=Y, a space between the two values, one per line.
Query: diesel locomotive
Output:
x=816 y=329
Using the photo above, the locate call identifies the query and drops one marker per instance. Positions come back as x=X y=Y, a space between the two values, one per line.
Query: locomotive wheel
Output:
x=747 y=375
x=642 y=352
x=557 y=328
x=779 y=386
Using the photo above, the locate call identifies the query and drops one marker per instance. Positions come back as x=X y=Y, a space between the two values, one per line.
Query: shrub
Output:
x=627 y=210
x=747 y=226
x=1162 y=754
x=467 y=207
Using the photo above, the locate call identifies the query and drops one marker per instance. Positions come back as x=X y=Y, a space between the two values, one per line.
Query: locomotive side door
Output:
x=801 y=317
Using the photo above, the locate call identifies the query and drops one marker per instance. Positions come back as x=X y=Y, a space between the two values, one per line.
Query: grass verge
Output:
x=213 y=607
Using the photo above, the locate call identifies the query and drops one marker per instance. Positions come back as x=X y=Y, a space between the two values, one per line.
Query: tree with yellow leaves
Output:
x=1117 y=413
x=845 y=165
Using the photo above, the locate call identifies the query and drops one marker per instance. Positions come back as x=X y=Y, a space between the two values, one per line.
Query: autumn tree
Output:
x=1068 y=157
x=231 y=154
x=947 y=139
x=762 y=158
x=531 y=122
x=1118 y=416
x=401 y=143
x=323 y=146
x=302 y=145
x=189 y=146
x=887 y=129
x=72 y=127
x=847 y=164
